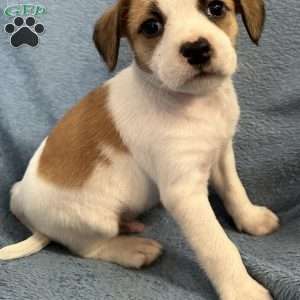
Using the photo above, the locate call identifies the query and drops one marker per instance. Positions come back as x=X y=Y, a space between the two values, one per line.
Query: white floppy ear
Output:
x=108 y=32
x=253 y=14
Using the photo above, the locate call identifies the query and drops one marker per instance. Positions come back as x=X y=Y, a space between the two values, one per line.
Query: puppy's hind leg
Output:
x=127 y=251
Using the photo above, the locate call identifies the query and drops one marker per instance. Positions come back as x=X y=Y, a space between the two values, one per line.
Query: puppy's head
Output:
x=187 y=45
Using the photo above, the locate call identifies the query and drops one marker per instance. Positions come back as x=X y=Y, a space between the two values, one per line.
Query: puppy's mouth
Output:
x=206 y=75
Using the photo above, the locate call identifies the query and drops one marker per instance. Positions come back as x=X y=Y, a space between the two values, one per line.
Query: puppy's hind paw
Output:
x=127 y=251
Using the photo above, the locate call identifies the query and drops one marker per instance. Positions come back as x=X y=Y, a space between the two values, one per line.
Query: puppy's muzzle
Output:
x=197 y=53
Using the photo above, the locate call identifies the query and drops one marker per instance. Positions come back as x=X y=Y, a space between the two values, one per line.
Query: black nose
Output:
x=197 y=53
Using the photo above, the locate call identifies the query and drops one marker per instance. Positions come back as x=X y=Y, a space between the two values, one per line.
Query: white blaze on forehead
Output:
x=185 y=21
x=179 y=6
x=179 y=10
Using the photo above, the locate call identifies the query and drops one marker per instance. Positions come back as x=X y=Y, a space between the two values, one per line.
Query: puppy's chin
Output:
x=201 y=85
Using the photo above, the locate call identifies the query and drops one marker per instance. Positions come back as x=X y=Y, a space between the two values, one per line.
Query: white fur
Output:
x=179 y=137
x=28 y=247
x=187 y=24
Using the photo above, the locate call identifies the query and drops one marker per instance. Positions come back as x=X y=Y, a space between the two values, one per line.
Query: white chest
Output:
x=171 y=131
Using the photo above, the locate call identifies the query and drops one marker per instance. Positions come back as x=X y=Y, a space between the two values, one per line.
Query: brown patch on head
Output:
x=73 y=149
x=228 y=23
x=143 y=47
x=253 y=14
x=124 y=19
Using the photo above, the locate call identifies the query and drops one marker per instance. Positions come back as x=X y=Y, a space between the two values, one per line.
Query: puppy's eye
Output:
x=151 y=28
x=216 y=9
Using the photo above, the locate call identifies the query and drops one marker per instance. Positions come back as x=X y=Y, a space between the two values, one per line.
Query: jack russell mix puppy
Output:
x=164 y=124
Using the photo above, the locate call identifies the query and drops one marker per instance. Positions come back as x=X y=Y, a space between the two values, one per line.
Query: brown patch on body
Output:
x=73 y=149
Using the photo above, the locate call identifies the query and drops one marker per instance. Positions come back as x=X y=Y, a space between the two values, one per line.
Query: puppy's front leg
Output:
x=250 y=218
x=186 y=199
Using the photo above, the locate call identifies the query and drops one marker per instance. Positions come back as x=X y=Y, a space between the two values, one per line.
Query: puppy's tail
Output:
x=32 y=245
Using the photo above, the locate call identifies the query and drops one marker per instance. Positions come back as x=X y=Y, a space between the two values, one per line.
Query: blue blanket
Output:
x=39 y=84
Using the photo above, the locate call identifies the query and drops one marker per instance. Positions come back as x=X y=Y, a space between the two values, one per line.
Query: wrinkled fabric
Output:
x=39 y=84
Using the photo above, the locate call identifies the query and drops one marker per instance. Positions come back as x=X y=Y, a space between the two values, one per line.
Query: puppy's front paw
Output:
x=258 y=220
x=250 y=290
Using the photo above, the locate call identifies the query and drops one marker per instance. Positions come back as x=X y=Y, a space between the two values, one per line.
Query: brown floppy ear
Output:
x=108 y=31
x=253 y=14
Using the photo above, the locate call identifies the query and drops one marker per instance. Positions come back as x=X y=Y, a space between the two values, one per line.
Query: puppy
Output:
x=163 y=125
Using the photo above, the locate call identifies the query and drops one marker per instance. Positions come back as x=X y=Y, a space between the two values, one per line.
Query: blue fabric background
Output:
x=38 y=85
